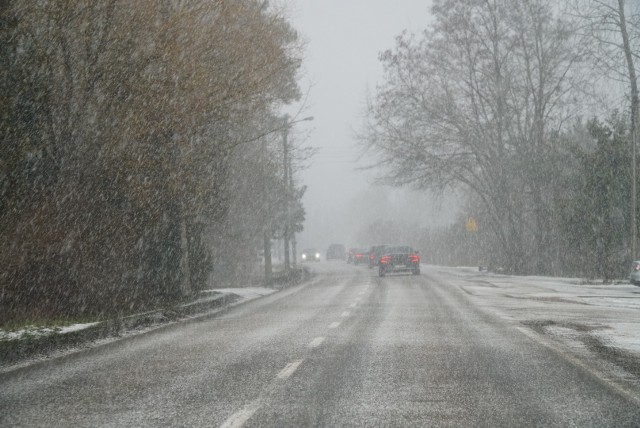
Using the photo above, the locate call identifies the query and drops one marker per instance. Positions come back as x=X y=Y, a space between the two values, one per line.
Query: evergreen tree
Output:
x=598 y=224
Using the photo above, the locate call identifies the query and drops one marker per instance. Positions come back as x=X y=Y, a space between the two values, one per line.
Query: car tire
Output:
x=416 y=272
x=381 y=272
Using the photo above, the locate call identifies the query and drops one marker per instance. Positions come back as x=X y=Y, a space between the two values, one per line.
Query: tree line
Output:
x=531 y=109
x=140 y=145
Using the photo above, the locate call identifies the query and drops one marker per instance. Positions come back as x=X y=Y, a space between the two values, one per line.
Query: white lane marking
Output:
x=334 y=324
x=345 y=314
x=353 y=305
x=240 y=417
x=289 y=369
x=358 y=299
x=315 y=342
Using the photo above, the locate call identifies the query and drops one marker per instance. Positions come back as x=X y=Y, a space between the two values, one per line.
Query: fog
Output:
x=343 y=40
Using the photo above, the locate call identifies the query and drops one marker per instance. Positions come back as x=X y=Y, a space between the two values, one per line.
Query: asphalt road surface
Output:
x=346 y=349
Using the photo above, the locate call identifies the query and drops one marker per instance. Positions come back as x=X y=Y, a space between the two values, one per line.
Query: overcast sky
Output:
x=344 y=38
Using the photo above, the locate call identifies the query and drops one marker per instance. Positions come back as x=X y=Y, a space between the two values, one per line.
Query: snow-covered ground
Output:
x=569 y=309
x=35 y=331
x=245 y=293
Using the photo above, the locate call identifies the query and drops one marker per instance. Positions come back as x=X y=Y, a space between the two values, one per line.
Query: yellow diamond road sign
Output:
x=471 y=225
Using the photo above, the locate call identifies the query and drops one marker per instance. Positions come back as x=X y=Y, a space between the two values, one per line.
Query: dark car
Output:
x=399 y=259
x=335 y=252
x=359 y=256
x=374 y=254
x=350 y=255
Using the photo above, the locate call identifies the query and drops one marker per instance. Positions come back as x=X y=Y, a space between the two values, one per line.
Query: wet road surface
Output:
x=346 y=349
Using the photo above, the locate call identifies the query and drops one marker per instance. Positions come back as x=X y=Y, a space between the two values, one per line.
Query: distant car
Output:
x=634 y=276
x=374 y=254
x=399 y=259
x=335 y=252
x=310 y=255
x=359 y=256
x=349 y=257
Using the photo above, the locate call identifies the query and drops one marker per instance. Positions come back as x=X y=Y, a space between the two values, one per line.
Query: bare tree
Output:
x=476 y=102
x=612 y=31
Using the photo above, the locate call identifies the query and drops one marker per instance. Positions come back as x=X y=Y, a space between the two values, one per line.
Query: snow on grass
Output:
x=609 y=312
x=623 y=335
x=35 y=331
x=246 y=292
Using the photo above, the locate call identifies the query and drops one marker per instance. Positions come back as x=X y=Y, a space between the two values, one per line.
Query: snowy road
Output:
x=452 y=347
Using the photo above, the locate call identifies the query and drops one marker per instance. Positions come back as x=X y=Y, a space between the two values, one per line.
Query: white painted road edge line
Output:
x=289 y=369
x=315 y=342
x=240 y=417
x=334 y=324
x=630 y=395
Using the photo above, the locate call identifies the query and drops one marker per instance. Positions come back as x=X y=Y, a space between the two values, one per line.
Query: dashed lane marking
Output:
x=240 y=417
x=289 y=369
x=345 y=314
x=353 y=305
x=315 y=342
x=334 y=324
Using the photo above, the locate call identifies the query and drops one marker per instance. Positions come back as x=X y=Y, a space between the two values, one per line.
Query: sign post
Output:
x=471 y=226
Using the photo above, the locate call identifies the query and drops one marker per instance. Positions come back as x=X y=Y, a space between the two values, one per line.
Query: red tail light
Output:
x=384 y=260
x=414 y=258
x=370 y=256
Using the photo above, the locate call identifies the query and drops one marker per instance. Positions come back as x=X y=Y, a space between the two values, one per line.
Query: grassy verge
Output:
x=41 y=337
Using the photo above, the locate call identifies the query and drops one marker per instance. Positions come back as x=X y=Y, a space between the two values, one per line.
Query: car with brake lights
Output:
x=399 y=259
x=358 y=256
x=374 y=254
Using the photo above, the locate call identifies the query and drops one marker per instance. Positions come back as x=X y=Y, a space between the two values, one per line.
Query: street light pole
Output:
x=285 y=157
x=289 y=231
x=294 y=256
x=267 y=232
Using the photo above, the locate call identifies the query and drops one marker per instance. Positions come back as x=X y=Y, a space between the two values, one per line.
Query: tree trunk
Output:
x=267 y=258
x=634 y=122
x=185 y=271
